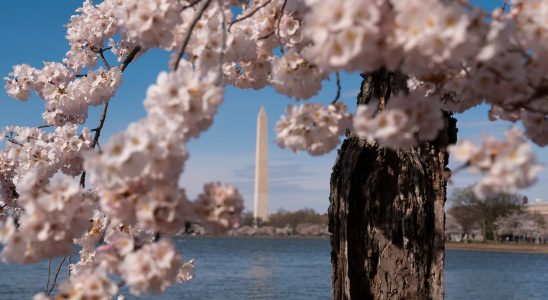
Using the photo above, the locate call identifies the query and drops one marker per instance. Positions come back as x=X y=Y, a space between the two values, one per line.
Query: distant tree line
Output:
x=283 y=218
x=499 y=217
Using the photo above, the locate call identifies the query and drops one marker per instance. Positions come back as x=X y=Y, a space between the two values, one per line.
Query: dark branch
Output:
x=49 y=275
x=189 y=32
x=249 y=15
x=191 y=4
x=338 y=95
x=278 y=26
x=44 y=126
x=56 y=275
x=101 y=52
x=264 y=37
x=105 y=61
x=96 y=137
x=222 y=54
x=504 y=5
x=130 y=57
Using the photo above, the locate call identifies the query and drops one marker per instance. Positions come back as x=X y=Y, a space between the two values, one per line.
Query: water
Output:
x=240 y=268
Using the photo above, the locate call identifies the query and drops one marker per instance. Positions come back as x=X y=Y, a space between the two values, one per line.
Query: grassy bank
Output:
x=490 y=246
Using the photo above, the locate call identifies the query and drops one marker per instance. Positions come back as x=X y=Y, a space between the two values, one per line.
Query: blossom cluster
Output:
x=89 y=285
x=293 y=76
x=505 y=165
x=149 y=23
x=407 y=120
x=344 y=37
x=54 y=215
x=312 y=127
x=457 y=55
x=32 y=150
x=466 y=59
x=137 y=172
x=152 y=268
x=67 y=98
x=220 y=204
x=86 y=32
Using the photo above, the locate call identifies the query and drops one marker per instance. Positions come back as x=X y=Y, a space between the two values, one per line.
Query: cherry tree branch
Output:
x=49 y=275
x=189 y=32
x=56 y=275
x=101 y=53
x=249 y=15
x=278 y=26
x=264 y=37
x=129 y=58
x=222 y=54
x=504 y=5
x=338 y=95
x=191 y=4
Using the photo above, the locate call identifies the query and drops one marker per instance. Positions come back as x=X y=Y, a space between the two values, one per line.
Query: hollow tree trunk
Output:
x=386 y=211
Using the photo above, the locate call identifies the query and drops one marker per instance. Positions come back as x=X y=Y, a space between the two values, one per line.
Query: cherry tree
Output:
x=421 y=60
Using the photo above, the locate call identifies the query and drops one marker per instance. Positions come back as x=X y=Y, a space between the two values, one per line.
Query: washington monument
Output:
x=261 y=169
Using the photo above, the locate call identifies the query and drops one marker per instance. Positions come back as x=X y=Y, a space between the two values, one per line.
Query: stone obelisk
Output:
x=261 y=169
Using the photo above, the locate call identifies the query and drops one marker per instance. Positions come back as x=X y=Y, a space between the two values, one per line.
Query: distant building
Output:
x=537 y=208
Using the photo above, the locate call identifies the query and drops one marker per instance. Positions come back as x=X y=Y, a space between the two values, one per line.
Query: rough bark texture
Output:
x=387 y=211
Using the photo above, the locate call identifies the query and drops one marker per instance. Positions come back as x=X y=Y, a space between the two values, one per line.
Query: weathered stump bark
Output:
x=386 y=211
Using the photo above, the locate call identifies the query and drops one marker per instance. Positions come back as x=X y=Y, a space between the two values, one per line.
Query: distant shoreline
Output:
x=260 y=237
x=498 y=247
x=473 y=246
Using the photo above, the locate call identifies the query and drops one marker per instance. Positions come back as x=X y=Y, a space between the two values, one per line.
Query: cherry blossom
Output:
x=152 y=268
x=506 y=165
x=312 y=127
x=123 y=213
x=220 y=204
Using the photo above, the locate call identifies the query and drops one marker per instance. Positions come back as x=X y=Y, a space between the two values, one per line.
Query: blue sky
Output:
x=33 y=32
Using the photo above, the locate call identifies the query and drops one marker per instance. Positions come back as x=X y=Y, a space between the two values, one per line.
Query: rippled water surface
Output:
x=231 y=268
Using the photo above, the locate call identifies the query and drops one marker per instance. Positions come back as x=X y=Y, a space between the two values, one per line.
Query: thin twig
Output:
x=13 y=141
x=264 y=37
x=189 y=32
x=44 y=126
x=96 y=138
x=49 y=275
x=278 y=26
x=129 y=58
x=105 y=61
x=249 y=15
x=222 y=54
x=56 y=275
x=101 y=52
x=69 y=263
x=191 y=4
x=338 y=95
x=100 y=126
x=504 y=5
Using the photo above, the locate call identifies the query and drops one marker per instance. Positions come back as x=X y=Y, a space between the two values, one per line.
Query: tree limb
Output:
x=189 y=32
x=249 y=15
x=129 y=58
x=56 y=275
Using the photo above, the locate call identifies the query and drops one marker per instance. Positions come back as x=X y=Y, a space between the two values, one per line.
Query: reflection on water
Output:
x=240 y=268
x=260 y=273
